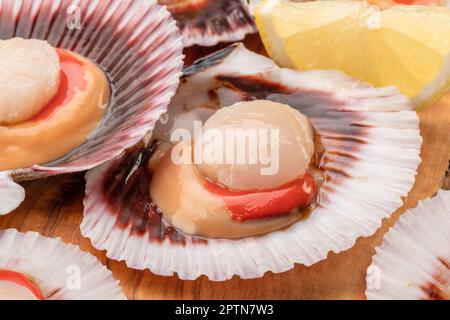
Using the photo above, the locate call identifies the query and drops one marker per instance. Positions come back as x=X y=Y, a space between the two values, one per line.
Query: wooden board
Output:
x=54 y=208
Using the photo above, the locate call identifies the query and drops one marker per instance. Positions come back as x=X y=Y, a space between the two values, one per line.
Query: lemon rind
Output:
x=279 y=56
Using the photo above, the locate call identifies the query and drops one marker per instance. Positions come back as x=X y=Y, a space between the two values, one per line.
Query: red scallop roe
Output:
x=252 y=205
x=72 y=80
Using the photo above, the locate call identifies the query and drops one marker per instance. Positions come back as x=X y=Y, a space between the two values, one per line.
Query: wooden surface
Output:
x=54 y=208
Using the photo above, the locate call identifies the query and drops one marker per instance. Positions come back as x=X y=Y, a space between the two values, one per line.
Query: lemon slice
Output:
x=404 y=46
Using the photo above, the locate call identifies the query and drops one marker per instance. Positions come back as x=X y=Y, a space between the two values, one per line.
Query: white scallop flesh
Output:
x=255 y=145
x=29 y=78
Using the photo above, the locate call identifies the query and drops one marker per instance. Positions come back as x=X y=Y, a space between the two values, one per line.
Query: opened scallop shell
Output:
x=62 y=271
x=136 y=42
x=413 y=262
x=208 y=22
x=372 y=143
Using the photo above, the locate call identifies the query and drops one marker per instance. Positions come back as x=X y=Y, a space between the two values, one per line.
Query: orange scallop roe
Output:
x=64 y=123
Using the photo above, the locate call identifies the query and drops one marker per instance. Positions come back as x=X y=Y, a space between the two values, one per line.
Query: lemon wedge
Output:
x=403 y=46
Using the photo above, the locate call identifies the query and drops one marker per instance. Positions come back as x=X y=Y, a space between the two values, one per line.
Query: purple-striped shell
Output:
x=413 y=262
x=62 y=271
x=208 y=22
x=372 y=145
x=138 y=45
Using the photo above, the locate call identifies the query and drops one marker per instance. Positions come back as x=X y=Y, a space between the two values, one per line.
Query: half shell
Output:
x=208 y=22
x=135 y=42
x=62 y=271
x=372 y=142
x=413 y=262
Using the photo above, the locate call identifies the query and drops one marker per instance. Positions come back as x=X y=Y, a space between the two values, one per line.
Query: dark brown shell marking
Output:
x=126 y=190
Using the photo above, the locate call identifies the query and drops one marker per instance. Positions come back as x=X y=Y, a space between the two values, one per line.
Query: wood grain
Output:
x=54 y=208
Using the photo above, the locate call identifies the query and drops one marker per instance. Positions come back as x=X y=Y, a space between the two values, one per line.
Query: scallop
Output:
x=29 y=78
x=272 y=144
x=369 y=143
x=248 y=162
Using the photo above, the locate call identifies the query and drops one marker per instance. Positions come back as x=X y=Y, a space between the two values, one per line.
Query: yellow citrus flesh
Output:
x=404 y=46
